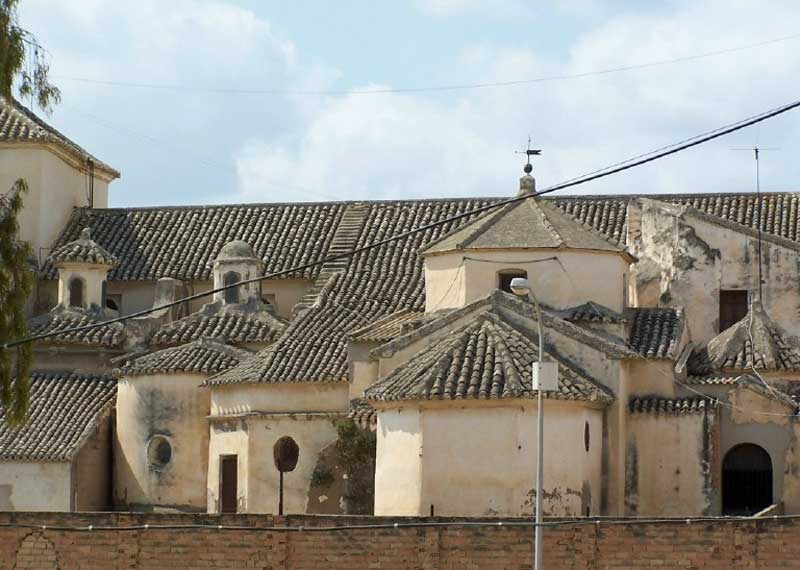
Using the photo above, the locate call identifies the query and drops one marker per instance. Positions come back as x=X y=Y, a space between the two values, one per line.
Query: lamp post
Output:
x=544 y=377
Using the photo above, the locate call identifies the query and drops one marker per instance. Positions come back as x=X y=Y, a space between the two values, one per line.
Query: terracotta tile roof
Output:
x=713 y=380
x=780 y=212
x=65 y=409
x=82 y=250
x=756 y=340
x=488 y=358
x=232 y=324
x=182 y=242
x=59 y=319
x=655 y=332
x=374 y=284
x=19 y=125
x=363 y=414
x=590 y=312
x=533 y=223
x=203 y=356
x=672 y=406
x=386 y=328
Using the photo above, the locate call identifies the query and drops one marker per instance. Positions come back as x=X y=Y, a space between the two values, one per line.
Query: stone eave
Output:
x=476 y=403
x=626 y=255
x=72 y=157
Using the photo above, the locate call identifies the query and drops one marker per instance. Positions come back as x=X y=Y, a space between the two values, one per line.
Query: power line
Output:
x=440 y=88
x=719 y=133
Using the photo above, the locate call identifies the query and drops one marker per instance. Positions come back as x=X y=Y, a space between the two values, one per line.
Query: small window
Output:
x=732 y=307
x=504 y=278
x=231 y=295
x=114 y=302
x=586 y=436
x=159 y=453
x=76 y=292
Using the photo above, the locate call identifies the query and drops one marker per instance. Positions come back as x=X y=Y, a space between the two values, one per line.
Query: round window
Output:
x=159 y=452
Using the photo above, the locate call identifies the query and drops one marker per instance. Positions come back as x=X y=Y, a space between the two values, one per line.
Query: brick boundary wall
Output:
x=766 y=543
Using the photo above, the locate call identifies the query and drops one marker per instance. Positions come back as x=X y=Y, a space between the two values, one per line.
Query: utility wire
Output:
x=722 y=132
x=435 y=88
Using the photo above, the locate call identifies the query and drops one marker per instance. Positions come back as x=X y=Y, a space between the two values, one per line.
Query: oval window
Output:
x=159 y=452
x=586 y=436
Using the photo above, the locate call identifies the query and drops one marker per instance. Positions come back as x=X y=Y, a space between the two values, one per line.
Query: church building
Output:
x=402 y=375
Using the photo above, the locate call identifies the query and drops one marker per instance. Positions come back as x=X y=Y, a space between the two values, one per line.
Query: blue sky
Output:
x=189 y=145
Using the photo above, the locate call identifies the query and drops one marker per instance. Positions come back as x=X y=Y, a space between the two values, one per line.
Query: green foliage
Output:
x=23 y=60
x=355 y=452
x=16 y=283
x=321 y=477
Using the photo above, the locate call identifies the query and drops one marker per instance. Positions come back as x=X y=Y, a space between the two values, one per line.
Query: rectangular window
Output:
x=732 y=307
x=504 y=279
x=228 y=483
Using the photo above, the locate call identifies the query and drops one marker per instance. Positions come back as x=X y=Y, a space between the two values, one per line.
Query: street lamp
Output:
x=544 y=378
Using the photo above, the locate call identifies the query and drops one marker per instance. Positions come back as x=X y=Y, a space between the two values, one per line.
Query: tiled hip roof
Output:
x=231 y=326
x=107 y=336
x=65 y=408
x=204 y=356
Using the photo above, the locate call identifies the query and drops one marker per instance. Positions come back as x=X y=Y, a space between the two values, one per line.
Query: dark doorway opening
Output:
x=733 y=305
x=746 y=480
x=228 y=483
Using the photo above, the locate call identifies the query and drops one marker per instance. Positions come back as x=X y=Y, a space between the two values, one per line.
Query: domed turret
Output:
x=237 y=262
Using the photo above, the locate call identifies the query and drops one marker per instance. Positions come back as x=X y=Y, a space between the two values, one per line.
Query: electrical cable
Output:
x=439 y=88
x=722 y=132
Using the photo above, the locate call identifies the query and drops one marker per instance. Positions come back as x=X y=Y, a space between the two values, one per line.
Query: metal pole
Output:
x=280 y=500
x=538 y=549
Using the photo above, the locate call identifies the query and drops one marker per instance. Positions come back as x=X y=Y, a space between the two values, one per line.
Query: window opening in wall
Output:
x=228 y=483
x=732 y=307
x=231 y=295
x=114 y=302
x=586 y=436
x=159 y=452
x=505 y=276
x=746 y=480
x=76 y=292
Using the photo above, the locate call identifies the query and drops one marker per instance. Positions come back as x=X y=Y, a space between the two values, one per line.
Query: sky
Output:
x=214 y=101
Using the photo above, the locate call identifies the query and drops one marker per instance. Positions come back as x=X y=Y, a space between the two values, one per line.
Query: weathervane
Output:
x=529 y=152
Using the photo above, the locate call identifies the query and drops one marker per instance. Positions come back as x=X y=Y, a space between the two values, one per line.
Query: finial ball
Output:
x=528 y=168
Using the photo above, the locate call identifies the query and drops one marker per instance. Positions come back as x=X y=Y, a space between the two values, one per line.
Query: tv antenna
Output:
x=529 y=152
x=757 y=150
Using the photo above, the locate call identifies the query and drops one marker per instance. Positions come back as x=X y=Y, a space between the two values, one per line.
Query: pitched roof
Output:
x=314 y=345
x=488 y=358
x=203 y=356
x=18 y=124
x=531 y=224
x=82 y=250
x=182 y=242
x=755 y=341
x=386 y=328
x=672 y=406
x=110 y=335
x=235 y=324
x=64 y=410
x=363 y=414
x=590 y=312
x=656 y=332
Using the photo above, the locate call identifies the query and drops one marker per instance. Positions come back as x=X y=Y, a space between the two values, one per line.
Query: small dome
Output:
x=236 y=249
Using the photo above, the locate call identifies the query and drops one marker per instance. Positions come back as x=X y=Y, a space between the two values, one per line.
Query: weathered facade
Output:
x=402 y=373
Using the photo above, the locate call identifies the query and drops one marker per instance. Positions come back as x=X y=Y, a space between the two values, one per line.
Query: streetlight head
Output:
x=520 y=286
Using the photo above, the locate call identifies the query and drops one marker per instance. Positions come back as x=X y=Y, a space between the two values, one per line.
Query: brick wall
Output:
x=742 y=544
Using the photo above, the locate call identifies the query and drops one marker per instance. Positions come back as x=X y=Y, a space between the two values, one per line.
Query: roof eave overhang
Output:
x=626 y=255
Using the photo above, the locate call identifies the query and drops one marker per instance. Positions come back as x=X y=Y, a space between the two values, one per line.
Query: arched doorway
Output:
x=746 y=480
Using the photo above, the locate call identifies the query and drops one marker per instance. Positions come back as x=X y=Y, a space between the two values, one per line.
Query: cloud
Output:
x=434 y=145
